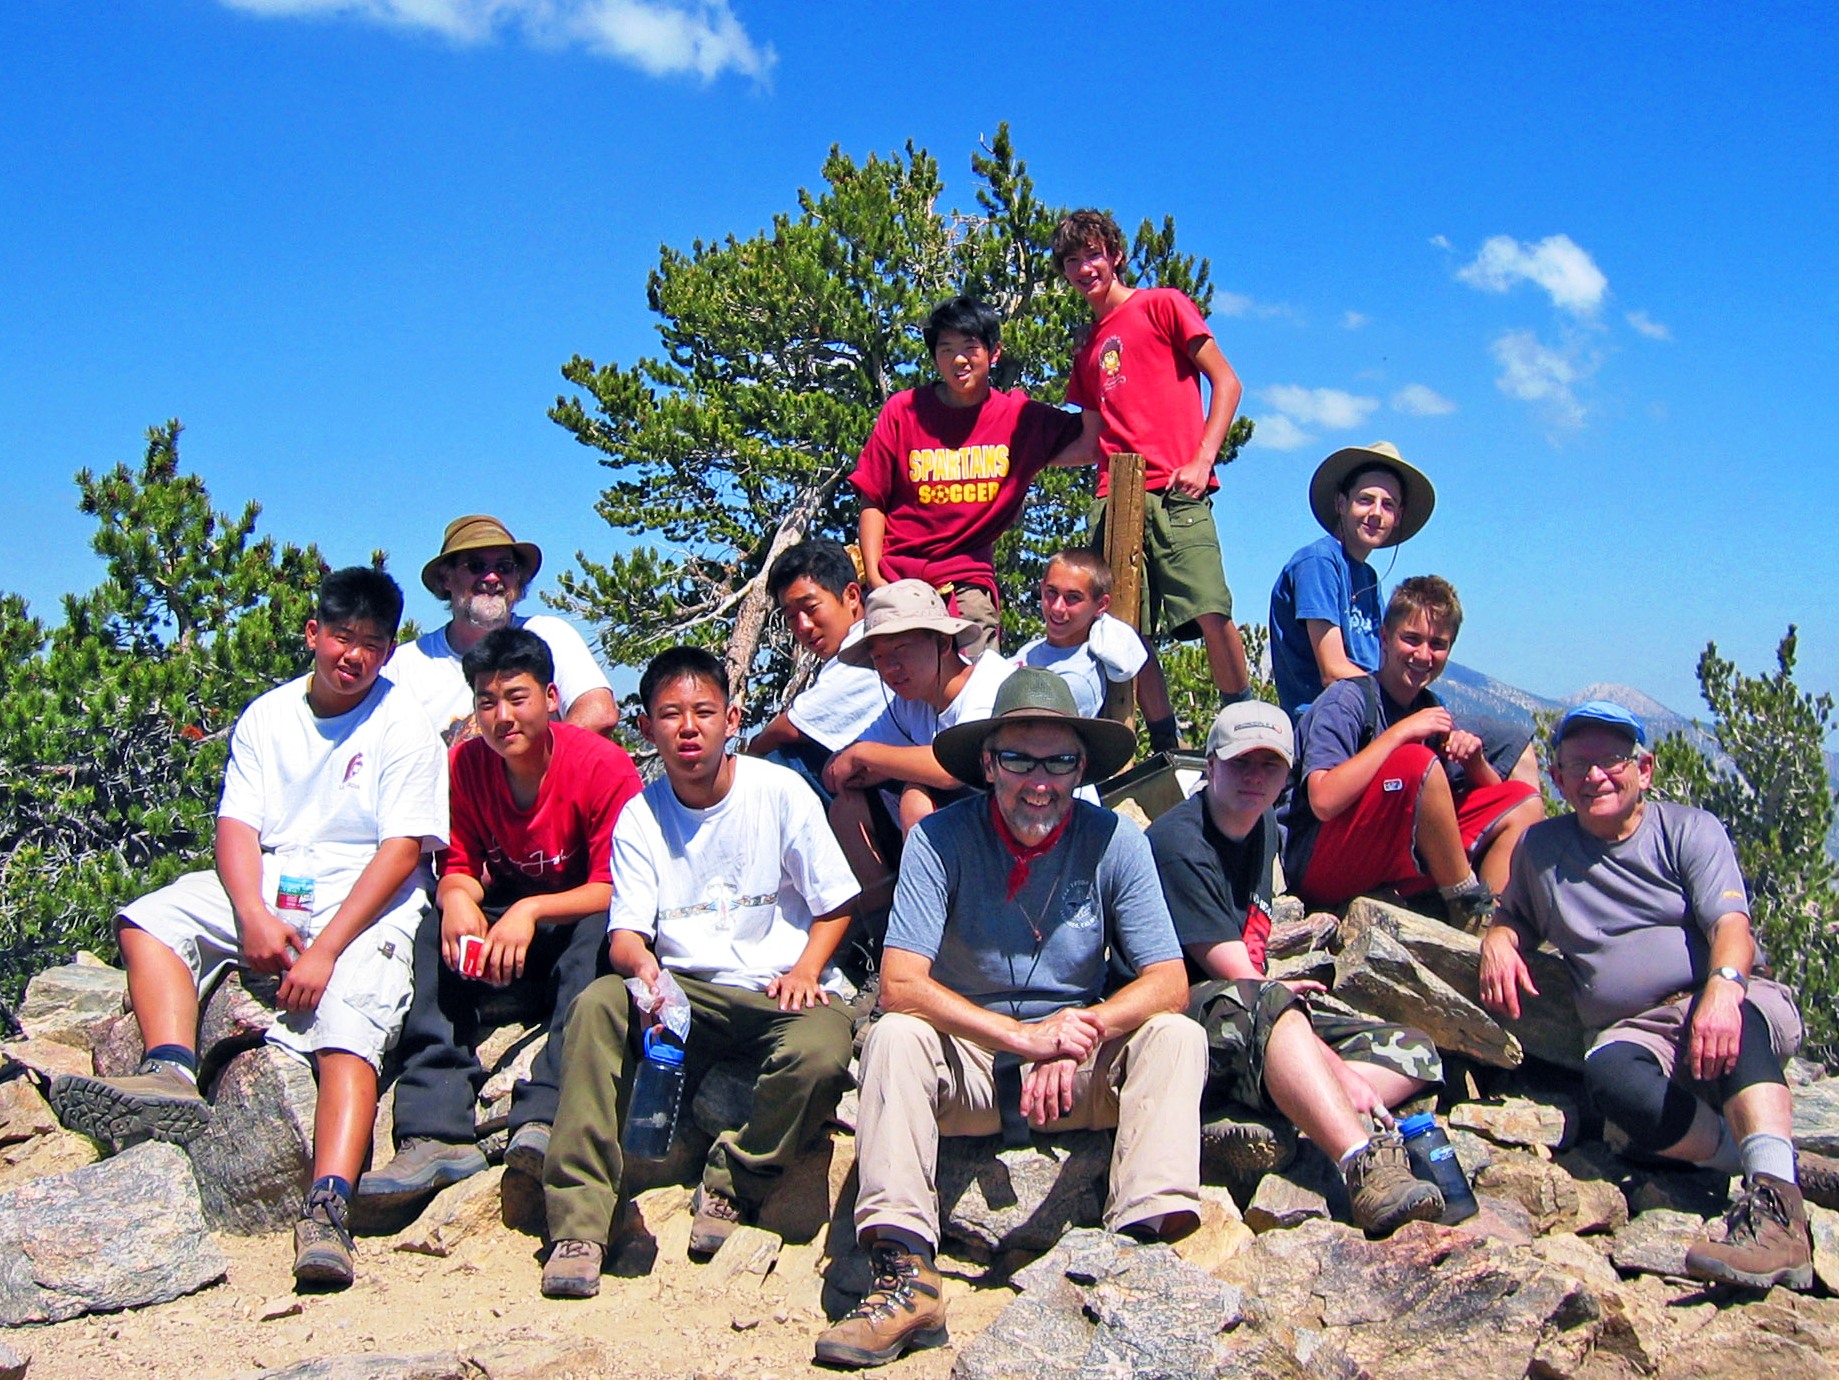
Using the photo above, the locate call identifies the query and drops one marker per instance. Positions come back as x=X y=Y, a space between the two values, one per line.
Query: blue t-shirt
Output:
x=1090 y=916
x=1321 y=582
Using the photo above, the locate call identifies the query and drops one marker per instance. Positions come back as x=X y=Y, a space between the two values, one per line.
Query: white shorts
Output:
x=364 y=1004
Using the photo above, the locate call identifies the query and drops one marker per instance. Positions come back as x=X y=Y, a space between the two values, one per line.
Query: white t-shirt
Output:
x=915 y=723
x=322 y=794
x=840 y=702
x=429 y=668
x=727 y=894
x=1112 y=651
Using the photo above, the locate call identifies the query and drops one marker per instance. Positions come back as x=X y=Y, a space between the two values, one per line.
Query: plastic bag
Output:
x=670 y=1005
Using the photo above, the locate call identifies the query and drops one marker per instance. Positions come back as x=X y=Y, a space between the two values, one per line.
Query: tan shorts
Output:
x=366 y=1000
x=1181 y=557
x=1660 y=1029
x=974 y=602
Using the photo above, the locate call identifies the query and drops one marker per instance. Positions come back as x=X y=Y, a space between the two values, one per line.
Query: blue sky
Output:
x=1575 y=261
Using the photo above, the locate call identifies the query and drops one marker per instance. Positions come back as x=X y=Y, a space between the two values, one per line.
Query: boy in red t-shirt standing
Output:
x=528 y=873
x=1137 y=375
x=947 y=468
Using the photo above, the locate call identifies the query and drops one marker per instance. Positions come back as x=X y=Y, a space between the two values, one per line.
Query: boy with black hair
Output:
x=526 y=873
x=335 y=787
x=725 y=873
x=1137 y=374
x=1325 y=605
x=947 y=467
x=1389 y=790
x=814 y=586
x=1089 y=649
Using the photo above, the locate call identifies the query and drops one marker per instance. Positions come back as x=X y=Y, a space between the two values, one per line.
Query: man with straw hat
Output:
x=1325 y=607
x=481 y=573
x=1031 y=981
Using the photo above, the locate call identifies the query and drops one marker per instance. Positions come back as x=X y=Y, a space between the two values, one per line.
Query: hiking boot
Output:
x=1245 y=1148
x=422 y=1164
x=573 y=1270
x=1385 y=1193
x=322 y=1245
x=717 y=1215
x=158 y=1102
x=528 y=1148
x=903 y=1312
x=1819 y=1178
x=1766 y=1239
x=1472 y=910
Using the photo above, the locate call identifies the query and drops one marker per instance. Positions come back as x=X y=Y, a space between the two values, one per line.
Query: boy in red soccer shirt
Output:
x=1137 y=375
x=947 y=467
x=528 y=872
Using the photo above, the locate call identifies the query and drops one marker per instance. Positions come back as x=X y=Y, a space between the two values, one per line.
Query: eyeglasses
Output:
x=1612 y=767
x=1021 y=763
x=504 y=567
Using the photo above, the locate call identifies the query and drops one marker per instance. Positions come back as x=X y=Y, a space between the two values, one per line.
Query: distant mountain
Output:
x=1470 y=693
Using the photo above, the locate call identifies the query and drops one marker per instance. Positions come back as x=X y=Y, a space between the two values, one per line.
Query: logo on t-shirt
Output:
x=352 y=769
x=1081 y=905
x=1111 y=362
x=968 y=474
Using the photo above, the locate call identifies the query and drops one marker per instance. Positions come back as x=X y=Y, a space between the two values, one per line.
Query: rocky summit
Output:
x=164 y=1261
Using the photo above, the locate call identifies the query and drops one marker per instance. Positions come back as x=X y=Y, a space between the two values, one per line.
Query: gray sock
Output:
x=1766 y=1154
x=1470 y=885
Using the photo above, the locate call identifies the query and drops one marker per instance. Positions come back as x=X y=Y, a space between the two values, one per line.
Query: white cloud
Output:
x=1353 y=320
x=659 y=37
x=1648 y=326
x=1329 y=408
x=1536 y=373
x=1238 y=304
x=1441 y=242
x=1418 y=400
x=1556 y=263
x=1278 y=432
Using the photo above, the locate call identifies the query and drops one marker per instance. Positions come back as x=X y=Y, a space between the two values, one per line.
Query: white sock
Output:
x=1352 y=1155
x=1726 y=1159
x=1763 y=1153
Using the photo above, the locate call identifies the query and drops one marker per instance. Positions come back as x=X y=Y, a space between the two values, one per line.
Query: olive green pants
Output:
x=804 y=1070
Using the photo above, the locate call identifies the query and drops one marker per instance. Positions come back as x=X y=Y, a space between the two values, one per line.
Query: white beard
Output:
x=487 y=611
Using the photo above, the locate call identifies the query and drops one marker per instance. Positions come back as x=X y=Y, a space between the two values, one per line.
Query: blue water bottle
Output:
x=1433 y=1159
x=651 y=1119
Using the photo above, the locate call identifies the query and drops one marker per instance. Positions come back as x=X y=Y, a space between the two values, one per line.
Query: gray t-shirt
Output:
x=1089 y=917
x=1631 y=919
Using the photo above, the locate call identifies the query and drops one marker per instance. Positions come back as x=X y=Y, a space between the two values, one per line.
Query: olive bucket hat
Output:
x=1033 y=696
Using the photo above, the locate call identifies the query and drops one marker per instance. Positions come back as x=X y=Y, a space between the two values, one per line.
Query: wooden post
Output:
x=1124 y=554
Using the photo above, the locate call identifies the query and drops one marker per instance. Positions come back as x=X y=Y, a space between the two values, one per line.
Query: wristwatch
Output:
x=1730 y=974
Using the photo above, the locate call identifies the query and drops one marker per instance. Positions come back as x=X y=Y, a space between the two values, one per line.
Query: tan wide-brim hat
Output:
x=905 y=606
x=1033 y=696
x=1419 y=496
x=477 y=532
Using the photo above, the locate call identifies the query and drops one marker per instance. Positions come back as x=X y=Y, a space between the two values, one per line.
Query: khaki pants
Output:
x=918 y=1085
x=805 y=1069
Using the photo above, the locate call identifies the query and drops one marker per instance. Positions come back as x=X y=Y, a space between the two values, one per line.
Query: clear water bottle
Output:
x=1433 y=1159
x=651 y=1120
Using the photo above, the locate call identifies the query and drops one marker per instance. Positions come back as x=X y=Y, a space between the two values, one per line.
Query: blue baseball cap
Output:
x=1607 y=713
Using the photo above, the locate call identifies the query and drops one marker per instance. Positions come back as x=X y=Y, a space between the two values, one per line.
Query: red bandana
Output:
x=1024 y=854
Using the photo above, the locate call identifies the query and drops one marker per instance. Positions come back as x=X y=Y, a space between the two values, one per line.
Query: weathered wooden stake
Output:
x=1124 y=553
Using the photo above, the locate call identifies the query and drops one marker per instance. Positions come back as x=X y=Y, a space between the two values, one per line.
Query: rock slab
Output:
x=65 y=1004
x=254 y=1159
x=119 y=1234
x=993 y=1199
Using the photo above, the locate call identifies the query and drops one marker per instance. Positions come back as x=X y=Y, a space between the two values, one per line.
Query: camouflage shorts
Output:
x=1239 y=1017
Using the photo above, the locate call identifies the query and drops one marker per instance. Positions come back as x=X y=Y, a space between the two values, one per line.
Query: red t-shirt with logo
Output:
x=1136 y=367
x=951 y=480
x=563 y=841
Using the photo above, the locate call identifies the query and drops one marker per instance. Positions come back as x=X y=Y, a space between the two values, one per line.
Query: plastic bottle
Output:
x=1433 y=1159
x=651 y=1120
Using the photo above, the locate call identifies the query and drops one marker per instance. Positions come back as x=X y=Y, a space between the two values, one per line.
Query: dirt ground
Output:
x=674 y=1321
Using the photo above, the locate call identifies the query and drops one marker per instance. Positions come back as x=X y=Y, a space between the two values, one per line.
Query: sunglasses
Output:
x=1021 y=763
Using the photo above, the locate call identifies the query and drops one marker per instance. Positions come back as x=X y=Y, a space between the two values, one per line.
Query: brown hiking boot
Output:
x=717 y=1215
x=1766 y=1239
x=1385 y=1193
x=1819 y=1178
x=573 y=1270
x=322 y=1246
x=158 y=1102
x=903 y=1312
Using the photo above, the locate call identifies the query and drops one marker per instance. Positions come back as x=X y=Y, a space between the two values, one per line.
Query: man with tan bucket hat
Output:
x=481 y=573
x=1031 y=981
x=932 y=681
x=1325 y=607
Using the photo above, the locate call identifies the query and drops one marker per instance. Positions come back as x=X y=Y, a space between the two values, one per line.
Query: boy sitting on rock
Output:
x=1089 y=649
x=335 y=787
x=527 y=875
x=724 y=872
